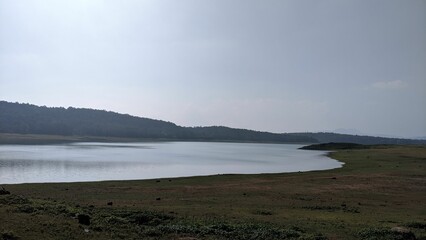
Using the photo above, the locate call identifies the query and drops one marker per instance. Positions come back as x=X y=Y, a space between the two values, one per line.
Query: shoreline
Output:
x=324 y=163
x=40 y=139
x=322 y=154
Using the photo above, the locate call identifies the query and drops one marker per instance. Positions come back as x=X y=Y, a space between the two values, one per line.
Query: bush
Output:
x=147 y=218
x=418 y=225
x=14 y=199
x=83 y=219
x=25 y=208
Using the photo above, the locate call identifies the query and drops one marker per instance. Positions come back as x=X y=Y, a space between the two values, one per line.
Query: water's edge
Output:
x=92 y=162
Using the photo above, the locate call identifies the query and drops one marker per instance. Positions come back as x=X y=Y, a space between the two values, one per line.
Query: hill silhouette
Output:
x=23 y=118
x=32 y=119
x=328 y=137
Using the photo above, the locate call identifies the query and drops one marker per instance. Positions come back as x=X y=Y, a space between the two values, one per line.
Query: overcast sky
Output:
x=280 y=66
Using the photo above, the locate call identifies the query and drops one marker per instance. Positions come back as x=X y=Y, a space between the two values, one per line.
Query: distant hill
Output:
x=228 y=134
x=31 y=119
x=326 y=137
x=26 y=118
x=21 y=118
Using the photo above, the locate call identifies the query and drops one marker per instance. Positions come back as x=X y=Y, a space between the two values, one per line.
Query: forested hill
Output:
x=26 y=118
x=31 y=119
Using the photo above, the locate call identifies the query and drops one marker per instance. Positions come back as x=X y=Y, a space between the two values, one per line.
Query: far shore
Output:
x=41 y=139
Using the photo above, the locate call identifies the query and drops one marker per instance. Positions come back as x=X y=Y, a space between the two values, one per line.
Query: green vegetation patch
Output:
x=119 y=223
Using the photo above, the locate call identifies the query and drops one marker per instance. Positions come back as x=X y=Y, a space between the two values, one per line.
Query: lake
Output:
x=78 y=162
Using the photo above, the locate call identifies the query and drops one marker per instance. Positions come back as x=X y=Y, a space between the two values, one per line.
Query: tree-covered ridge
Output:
x=31 y=119
x=226 y=133
x=27 y=118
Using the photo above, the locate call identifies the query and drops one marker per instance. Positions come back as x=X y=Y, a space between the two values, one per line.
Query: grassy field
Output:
x=377 y=190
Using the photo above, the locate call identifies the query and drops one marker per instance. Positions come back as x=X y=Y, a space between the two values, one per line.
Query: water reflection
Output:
x=116 y=161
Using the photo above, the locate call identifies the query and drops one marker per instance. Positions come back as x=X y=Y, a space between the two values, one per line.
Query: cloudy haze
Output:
x=280 y=66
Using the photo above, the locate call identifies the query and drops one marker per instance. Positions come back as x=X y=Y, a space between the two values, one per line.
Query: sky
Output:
x=268 y=65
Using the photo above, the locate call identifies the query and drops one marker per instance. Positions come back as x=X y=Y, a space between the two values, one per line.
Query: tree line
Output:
x=23 y=118
x=32 y=119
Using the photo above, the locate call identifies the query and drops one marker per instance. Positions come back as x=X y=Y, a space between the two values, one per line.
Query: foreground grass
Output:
x=378 y=189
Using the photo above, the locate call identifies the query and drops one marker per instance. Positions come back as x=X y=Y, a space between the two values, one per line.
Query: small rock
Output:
x=86 y=230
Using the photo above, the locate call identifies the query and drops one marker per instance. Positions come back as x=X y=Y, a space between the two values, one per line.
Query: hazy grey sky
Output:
x=280 y=66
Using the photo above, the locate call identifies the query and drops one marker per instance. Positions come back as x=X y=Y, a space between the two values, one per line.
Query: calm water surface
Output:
x=78 y=162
